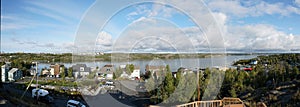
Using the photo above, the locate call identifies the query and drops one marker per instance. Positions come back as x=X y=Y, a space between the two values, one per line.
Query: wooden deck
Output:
x=225 y=102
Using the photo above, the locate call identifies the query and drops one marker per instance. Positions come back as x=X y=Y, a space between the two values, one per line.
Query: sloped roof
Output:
x=13 y=70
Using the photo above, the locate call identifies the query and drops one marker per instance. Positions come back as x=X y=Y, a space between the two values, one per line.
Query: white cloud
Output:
x=61 y=8
x=253 y=9
x=259 y=37
x=152 y=10
x=297 y=2
x=104 y=39
x=164 y=37
x=15 y=22
x=48 y=14
x=146 y=34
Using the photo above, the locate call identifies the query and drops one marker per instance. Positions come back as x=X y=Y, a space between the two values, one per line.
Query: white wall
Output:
x=135 y=73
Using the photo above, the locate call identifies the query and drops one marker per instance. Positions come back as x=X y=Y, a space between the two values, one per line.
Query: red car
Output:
x=247 y=69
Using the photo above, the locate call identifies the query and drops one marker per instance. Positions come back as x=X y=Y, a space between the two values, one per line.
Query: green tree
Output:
x=168 y=84
x=131 y=67
x=114 y=76
x=70 y=72
x=150 y=84
x=232 y=92
x=118 y=72
x=63 y=74
x=178 y=77
x=295 y=72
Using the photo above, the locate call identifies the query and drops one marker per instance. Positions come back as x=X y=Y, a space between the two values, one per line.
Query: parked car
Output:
x=74 y=103
x=42 y=95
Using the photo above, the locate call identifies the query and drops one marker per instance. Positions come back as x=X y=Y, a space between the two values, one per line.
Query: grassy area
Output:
x=55 y=83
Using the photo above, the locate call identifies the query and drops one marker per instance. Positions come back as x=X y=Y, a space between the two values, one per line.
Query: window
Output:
x=81 y=68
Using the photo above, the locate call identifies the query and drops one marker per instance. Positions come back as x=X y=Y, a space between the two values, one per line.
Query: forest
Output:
x=275 y=80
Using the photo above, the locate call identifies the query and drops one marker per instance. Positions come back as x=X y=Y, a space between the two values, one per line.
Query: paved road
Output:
x=128 y=97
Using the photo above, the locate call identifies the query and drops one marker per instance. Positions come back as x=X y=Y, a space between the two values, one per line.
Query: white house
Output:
x=109 y=76
x=80 y=70
x=46 y=72
x=4 y=71
x=135 y=73
x=14 y=74
x=106 y=71
x=51 y=71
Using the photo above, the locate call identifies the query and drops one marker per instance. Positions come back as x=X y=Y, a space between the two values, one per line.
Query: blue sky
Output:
x=246 y=25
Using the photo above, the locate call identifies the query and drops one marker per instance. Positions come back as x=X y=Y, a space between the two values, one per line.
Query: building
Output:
x=46 y=72
x=80 y=70
x=136 y=73
x=4 y=71
x=106 y=71
x=253 y=62
x=156 y=71
x=154 y=68
x=107 y=68
x=14 y=74
x=56 y=69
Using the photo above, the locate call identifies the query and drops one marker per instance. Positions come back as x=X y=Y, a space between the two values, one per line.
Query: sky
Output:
x=59 y=26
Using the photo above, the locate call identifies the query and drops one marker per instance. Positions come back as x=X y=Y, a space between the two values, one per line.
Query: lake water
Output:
x=191 y=63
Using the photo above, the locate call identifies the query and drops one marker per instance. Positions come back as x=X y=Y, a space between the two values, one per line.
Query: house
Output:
x=56 y=69
x=51 y=71
x=107 y=71
x=32 y=71
x=14 y=74
x=4 y=71
x=136 y=73
x=184 y=71
x=123 y=66
x=253 y=62
x=46 y=72
x=154 y=68
x=156 y=71
x=80 y=70
x=220 y=68
x=107 y=68
x=124 y=75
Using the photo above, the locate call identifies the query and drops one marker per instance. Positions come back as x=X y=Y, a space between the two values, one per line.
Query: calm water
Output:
x=191 y=63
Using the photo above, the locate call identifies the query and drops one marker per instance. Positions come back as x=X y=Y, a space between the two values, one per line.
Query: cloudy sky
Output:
x=59 y=26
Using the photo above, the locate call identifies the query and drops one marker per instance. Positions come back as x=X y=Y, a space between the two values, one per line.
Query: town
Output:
x=127 y=80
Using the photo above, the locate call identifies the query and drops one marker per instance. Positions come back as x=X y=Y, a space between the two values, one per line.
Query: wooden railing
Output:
x=225 y=102
x=211 y=103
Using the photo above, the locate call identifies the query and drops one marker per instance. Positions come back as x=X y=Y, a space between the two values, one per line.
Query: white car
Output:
x=74 y=103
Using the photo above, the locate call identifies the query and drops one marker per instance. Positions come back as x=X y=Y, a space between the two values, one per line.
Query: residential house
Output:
x=154 y=68
x=32 y=71
x=253 y=62
x=184 y=71
x=55 y=70
x=136 y=73
x=156 y=71
x=80 y=70
x=14 y=74
x=106 y=71
x=46 y=72
x=4 y=71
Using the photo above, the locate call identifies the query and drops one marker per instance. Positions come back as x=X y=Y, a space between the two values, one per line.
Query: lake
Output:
x=191 y=63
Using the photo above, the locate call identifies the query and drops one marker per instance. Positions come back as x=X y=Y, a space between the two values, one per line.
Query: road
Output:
x=128 y=96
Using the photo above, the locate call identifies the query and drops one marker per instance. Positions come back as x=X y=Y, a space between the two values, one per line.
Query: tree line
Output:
x=210 y=84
